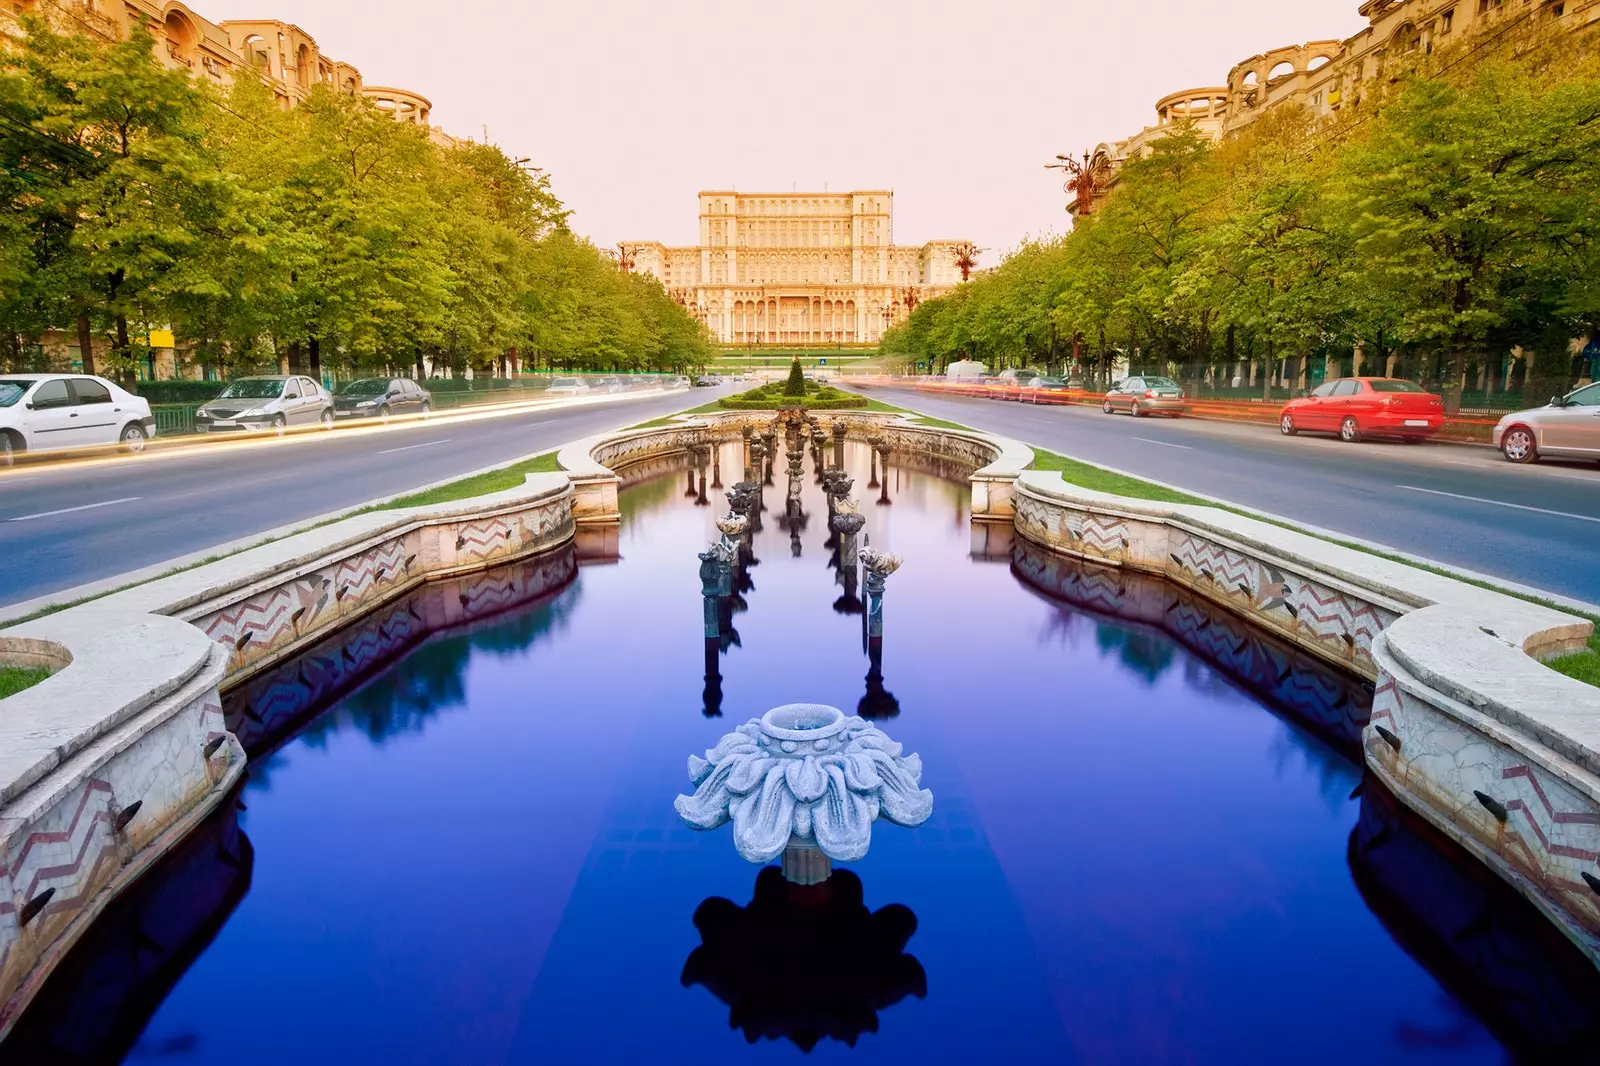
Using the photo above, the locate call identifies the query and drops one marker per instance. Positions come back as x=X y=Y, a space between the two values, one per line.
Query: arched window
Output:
x=1282 y=70
x=1318 y=63
x=181 y=37
x=302 y=66
x=1406 y=39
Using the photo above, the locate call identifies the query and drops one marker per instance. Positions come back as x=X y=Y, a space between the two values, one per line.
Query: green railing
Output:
x=174 y=419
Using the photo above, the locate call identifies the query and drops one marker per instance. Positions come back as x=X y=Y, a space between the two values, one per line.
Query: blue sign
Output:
x=822 y=362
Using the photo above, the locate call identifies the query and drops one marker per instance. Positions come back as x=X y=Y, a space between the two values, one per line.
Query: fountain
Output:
x=805 y=782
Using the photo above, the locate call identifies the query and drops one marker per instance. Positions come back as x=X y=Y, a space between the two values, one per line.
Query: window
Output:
x=89 y=390
x=1346 y=387
x=11 y=391
x=1588 y=396
x=1392 y=385
x=1447 y=22
x=253 y=389
x=52 y=393
x=1324 y=390
x=291 y=389
x=308 y=387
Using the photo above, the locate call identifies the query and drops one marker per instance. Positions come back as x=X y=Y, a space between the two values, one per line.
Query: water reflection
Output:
x=1333 y=705
x=497 y=611
x=96 y=1005
x=1486 y=944
x=805 y=963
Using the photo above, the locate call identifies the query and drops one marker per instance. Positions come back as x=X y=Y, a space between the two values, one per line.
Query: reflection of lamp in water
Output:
x=805 y=965
x=879 y=703
x=769 y=441
x=883 y=456
x=716 y=585
x=873 y=444
x=805 y=782
x=716 y=467
x=839 y=431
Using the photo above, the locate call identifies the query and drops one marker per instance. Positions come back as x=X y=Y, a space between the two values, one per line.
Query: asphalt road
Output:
x=64 y=524
x=1459 y=504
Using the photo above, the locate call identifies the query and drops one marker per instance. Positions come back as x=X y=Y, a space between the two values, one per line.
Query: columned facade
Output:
x=799 y=269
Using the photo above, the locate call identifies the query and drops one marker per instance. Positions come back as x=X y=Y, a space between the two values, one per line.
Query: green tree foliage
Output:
x=327 y=235
x=1446 y=223
x=796 y=383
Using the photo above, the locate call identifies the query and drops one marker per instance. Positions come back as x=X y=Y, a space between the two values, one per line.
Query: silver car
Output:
x=277 y=403
x=1146 y=394
x=1567 y=428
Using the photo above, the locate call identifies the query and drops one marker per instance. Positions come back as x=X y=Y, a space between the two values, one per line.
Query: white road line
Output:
x=70 y=510
x=1163 y=443
x=1502 y=503
x=411 y=447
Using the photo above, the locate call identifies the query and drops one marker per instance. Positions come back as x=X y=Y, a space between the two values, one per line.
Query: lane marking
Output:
x=1502 y=503
x=412 y=447
x=71 y=510
x=1163 y=443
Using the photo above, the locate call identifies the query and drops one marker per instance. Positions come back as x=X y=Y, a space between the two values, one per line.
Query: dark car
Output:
x=707 y=381
x=381 y=398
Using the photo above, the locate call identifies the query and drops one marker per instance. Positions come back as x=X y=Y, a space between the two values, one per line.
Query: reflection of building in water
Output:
x=805 y=963
x=1333 y=705
x=798 y=269
x=1485 y=944
x=99 y=999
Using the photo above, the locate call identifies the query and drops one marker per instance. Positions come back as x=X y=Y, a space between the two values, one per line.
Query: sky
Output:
x=634 y=106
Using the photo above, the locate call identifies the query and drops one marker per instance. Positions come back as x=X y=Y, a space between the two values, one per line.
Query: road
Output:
x=65 y=524
x=1459 y=504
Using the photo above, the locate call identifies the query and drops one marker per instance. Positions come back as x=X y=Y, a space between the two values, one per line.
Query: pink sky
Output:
x=633 y=106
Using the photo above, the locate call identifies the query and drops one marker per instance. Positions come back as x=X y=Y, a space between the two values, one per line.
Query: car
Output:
x=1016 y=376
x=1146 y=394
x=1054 y=389
x=677 y=381
x=567 y=387
x=275 y=402
x=50 y=412
x=1357 y=408
x=1567 y=428
x=707 y=381
x=381 y=398
x=608 y=385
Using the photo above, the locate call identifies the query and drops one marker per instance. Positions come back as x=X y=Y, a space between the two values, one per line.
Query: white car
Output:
x=49 y=412
x=567 y=387
x=1568 y=428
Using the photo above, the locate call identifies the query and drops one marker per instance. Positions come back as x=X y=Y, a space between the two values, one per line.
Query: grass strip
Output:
x=506 y=477
x=13 y=679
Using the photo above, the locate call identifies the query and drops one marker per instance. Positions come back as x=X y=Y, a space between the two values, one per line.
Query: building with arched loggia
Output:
x=282 y=54
x=799 y=269
x=1327 y=76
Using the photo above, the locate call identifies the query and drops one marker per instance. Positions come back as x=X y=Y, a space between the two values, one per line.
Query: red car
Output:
x=1366 y=407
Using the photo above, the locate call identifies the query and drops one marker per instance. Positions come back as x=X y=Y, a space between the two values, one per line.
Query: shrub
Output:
x=796 y=385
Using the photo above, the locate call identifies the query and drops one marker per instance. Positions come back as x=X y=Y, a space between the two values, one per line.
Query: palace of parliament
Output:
x=797 y=269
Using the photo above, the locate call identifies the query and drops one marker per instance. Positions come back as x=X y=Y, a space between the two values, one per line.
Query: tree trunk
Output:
x=130 y=380
x=297 y=358
x=1458 y=374
x=1266 y=376
x=85 y=342
x=316 y=357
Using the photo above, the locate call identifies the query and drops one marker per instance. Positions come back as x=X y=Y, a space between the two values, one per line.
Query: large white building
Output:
x=799 y=269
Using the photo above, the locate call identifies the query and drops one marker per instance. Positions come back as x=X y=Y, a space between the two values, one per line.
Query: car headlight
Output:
x=254 y=412
x=367 y=403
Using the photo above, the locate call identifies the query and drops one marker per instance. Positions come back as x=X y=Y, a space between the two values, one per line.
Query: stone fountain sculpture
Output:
x=805 y=782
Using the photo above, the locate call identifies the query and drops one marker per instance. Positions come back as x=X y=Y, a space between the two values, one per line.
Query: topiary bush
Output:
x=796 y=385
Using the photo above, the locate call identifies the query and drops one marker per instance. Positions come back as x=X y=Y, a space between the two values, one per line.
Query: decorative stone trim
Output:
x=1467 y=727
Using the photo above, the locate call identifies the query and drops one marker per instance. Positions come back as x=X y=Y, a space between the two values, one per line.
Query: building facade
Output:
x=282 y=54
x=1326 y=76
x=798 y=269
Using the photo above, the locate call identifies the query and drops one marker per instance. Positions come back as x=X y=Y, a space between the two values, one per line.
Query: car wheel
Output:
x=280 y=425
x=8 y=451
x=1135 y=410
x=327 y=420
x=1286 y=426
x=384 y=412
x=1519 y=445
x=1350 y=431
x=134 y=438
x=1106 y=407
x=427 y=408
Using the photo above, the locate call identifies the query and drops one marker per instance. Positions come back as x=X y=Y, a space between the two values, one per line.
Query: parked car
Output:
x=707 y=381
x=1355 y=408
x=608 y=385
x=274 y=402
x=1146 y=394
x=1016 y=376
x=1048 y=387
x=48 y=412
x=1568 y=427
x=677 y=381
x=381 y=398
x=567 y=387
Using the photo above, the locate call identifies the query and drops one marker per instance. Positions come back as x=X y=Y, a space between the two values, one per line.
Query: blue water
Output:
x=1137 y=854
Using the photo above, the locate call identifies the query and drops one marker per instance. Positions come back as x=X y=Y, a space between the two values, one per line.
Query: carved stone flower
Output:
x=880 y=562
x=808 y=774
x=733 y=525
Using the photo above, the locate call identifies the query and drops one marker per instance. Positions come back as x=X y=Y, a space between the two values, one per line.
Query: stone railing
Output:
x=1467 y=726
x=125 y=748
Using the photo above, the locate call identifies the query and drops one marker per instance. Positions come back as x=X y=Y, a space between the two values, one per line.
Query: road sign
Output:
x=822 y=362
x=921 y=365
